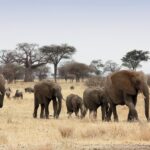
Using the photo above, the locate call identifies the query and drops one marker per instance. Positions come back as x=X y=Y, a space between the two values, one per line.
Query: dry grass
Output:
x=18 y=129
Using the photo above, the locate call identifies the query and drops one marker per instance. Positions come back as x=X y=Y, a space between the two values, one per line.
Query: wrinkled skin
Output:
x=94 y=98
x=2 y=90
x=44 y=92
x=122 y=88
x=74 y=103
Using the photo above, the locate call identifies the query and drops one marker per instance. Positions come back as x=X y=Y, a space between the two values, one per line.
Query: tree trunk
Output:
x=55 y=72
x=28 y=75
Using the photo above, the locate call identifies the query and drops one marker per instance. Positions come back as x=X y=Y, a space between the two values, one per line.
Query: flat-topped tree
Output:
x=55 y=53
x=133 y=58
x=29 y=56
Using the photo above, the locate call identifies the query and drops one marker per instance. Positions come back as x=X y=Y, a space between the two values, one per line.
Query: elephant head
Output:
x=140 y=83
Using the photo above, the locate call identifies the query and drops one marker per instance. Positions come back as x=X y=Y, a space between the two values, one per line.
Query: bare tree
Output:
x=55 y=53
x=6 y=56
x=42 y=72
x=111 y=66
x=12 y=72
x=29 y=56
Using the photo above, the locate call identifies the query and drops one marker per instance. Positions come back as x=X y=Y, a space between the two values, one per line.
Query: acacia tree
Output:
x=55 y=53
x=29 y=56
x=133 y=58
x=80 y=70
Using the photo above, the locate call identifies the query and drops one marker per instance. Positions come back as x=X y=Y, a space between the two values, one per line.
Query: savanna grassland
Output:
x=19 y=130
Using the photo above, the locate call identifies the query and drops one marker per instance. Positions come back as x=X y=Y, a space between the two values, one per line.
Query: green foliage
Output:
x=133 y=58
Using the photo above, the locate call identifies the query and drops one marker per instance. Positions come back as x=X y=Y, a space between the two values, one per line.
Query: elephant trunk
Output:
x=83 y=110
x=146 y=94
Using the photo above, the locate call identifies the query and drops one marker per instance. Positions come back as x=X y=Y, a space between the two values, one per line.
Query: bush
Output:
x=95 y=81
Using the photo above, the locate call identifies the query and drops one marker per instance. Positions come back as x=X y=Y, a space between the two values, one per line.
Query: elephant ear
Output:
x=123 y=81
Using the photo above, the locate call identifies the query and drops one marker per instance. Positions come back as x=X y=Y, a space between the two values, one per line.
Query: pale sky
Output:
x=99 y=29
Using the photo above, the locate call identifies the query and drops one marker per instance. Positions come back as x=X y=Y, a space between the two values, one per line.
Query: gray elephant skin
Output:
x=122 y=88
x=74 y=103
x=44 y=92
x=93 y=98
x=2 y=90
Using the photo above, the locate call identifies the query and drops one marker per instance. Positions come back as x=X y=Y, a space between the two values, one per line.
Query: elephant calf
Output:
x=18 y=94
x=93 y=98
x=74 y=103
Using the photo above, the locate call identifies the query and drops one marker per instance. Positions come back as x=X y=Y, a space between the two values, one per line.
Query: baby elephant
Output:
x=8 y=92
x=92 y=99
x=73 y=104
x=18 y=94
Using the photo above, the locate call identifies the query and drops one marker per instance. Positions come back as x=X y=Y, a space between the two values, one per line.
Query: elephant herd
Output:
x=120 y=88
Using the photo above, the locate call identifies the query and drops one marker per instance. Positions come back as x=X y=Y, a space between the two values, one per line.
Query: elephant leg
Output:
x=103 y=111
x=115 y=113
x=42 y=111
x=35 y=111
x=69 y=114
x=36 y=105
x=130 y=117
x=90 y=112
x=95 y=114
x=46 y=109
x=132 y=111
x=77 y=113
x=55 y=108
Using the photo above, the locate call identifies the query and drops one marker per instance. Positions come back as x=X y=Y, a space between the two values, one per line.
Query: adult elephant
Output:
x=93 y=98
x=2 y=90
x=122 y=88
x=44 y=92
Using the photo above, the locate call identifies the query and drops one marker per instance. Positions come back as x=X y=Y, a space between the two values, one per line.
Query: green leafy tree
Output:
x=133 y=58
x=55 y=53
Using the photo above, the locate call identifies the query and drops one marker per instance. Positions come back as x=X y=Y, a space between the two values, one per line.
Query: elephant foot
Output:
x=47 y=117
x=56 y=117
x=41 y=116
x=34 y=115
x=133 y=120
x=116 y=120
